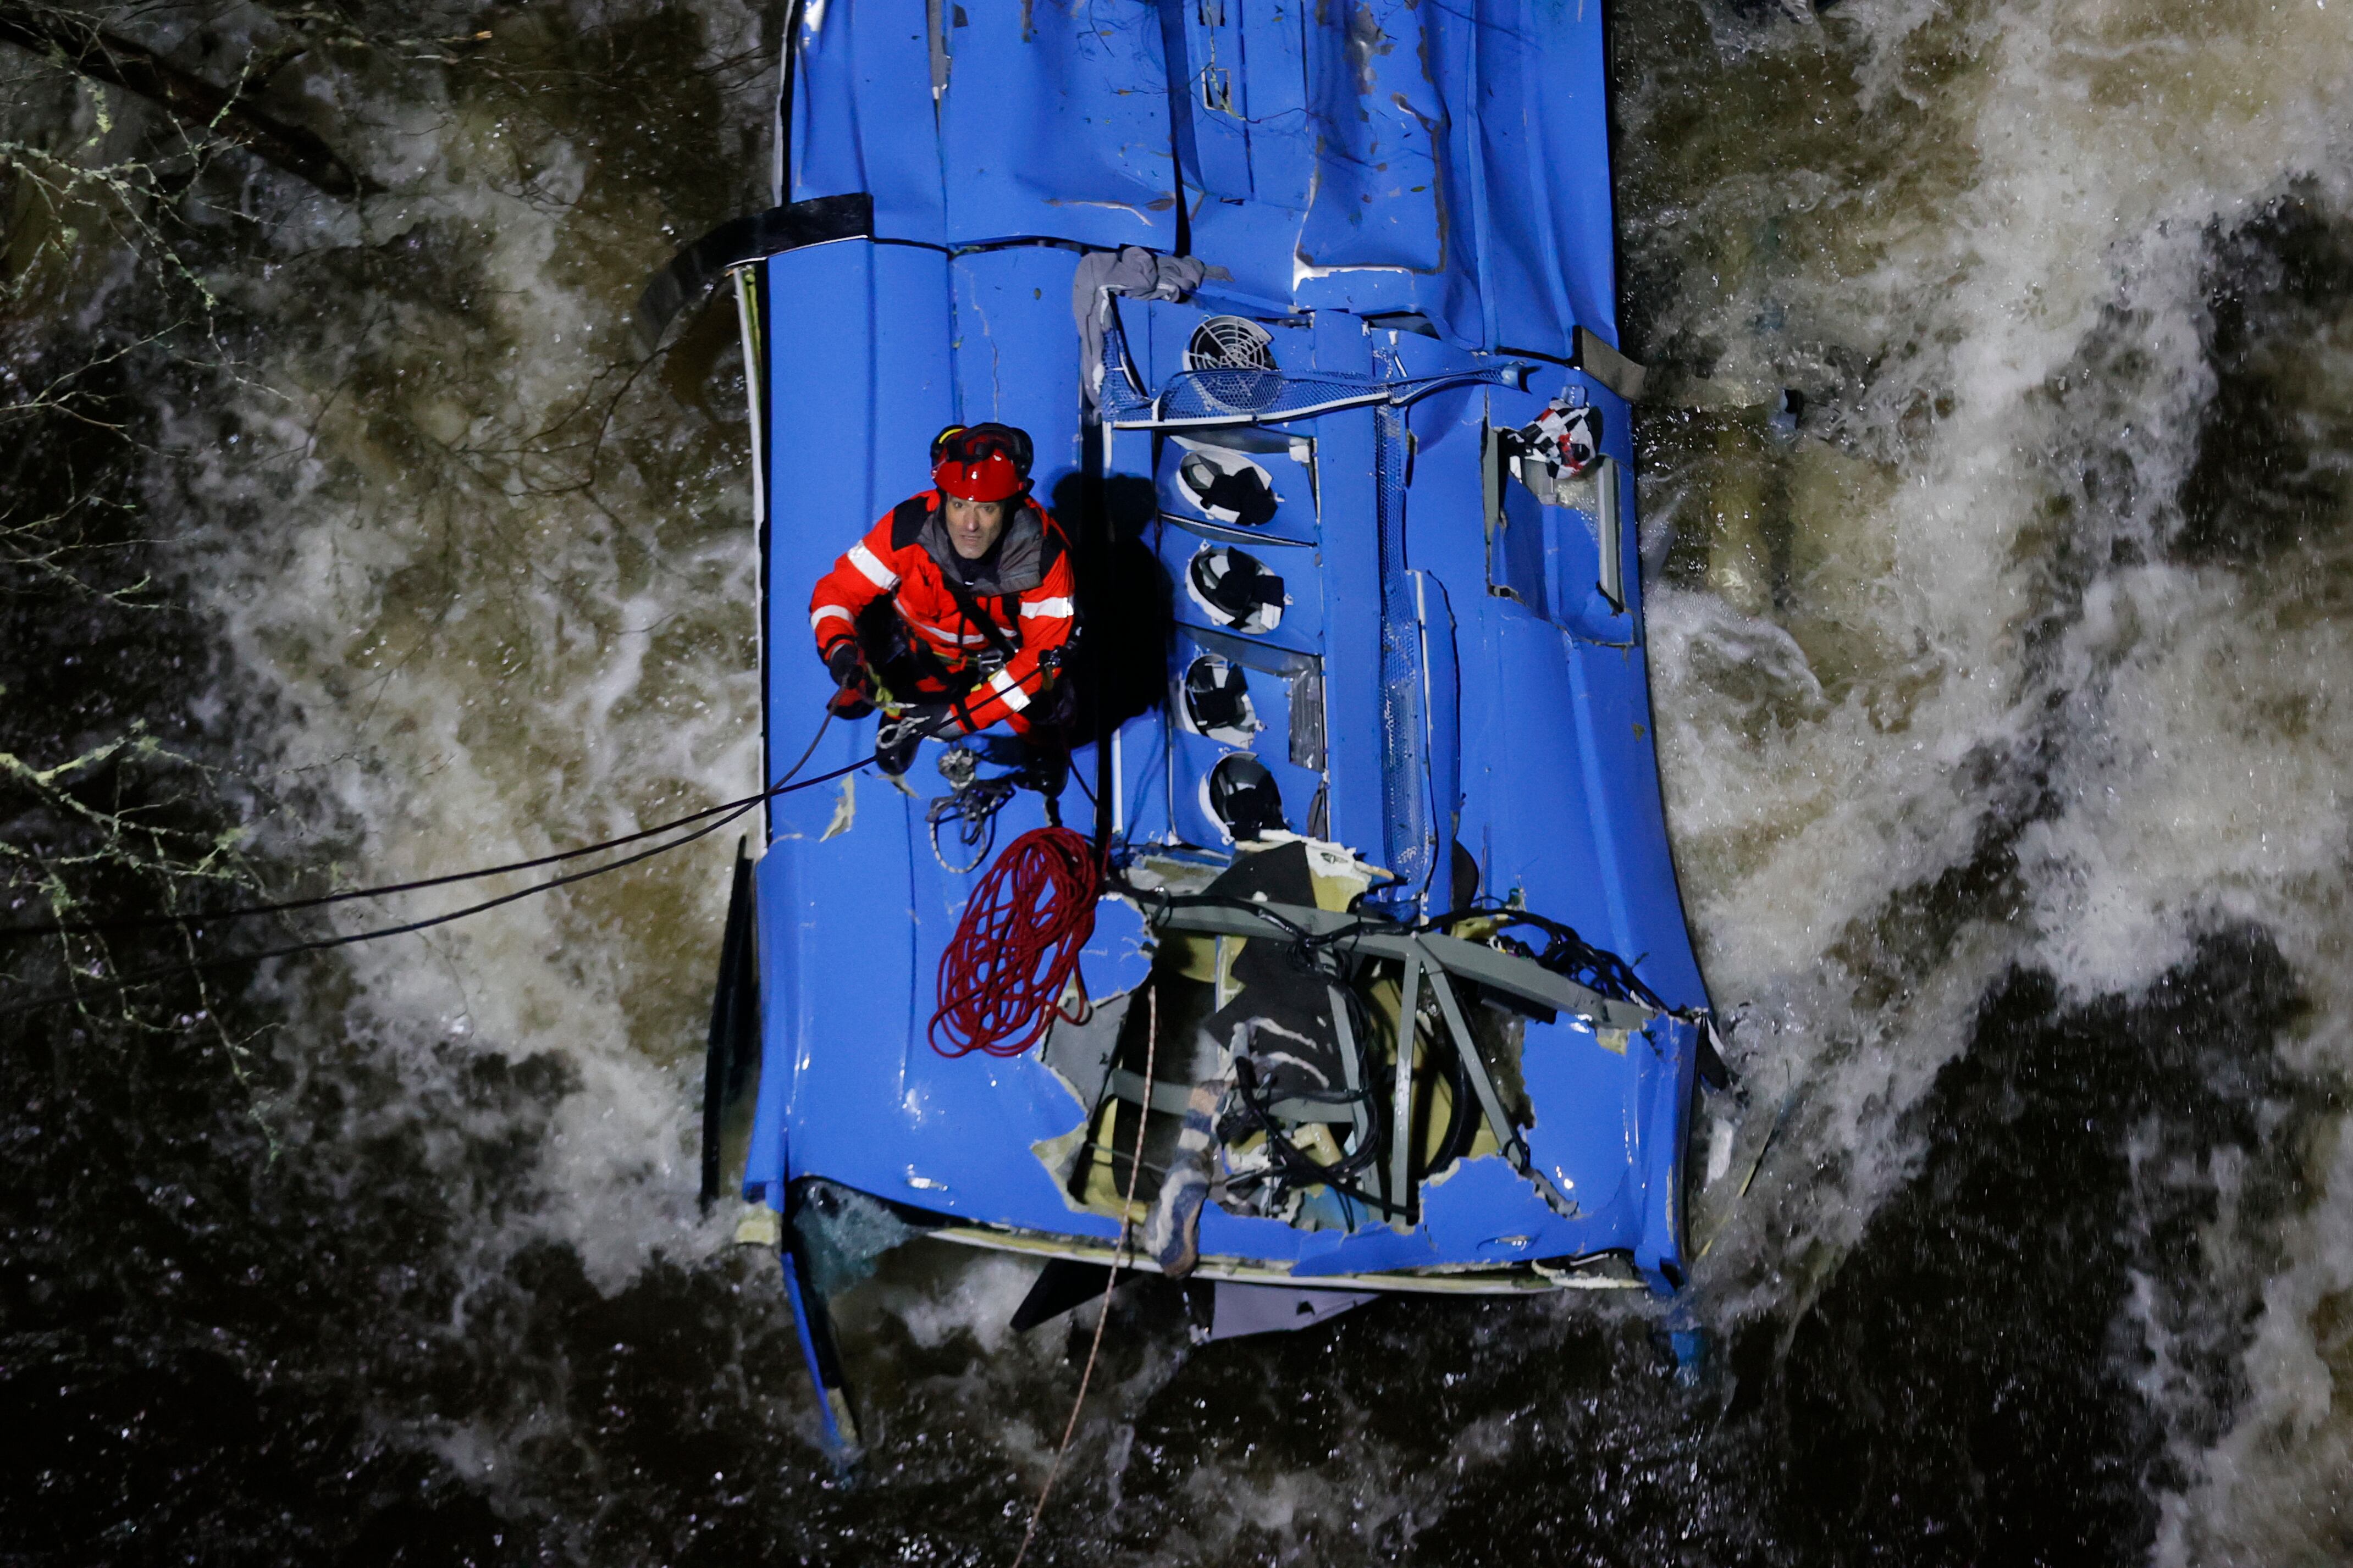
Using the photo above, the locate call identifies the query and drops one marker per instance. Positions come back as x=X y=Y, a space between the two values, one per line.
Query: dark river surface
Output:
x=2003 y=710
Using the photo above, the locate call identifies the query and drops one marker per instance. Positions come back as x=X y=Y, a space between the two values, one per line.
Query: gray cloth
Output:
x=1134 y=272
x=1172 y=1230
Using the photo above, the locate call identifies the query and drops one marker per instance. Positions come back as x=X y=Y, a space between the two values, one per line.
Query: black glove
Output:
x=846 y=662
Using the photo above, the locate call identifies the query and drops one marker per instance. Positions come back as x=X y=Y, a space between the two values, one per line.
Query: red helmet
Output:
x=981 y=462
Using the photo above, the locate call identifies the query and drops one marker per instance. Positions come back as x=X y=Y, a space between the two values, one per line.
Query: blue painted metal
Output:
x=1335 y=166
x=807 y=1327
x=1409 y=838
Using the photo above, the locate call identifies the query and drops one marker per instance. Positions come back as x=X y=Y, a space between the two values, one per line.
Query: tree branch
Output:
x=81 y=46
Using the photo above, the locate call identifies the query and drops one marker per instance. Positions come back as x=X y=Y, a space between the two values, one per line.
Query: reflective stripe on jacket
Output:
x=1027 y=596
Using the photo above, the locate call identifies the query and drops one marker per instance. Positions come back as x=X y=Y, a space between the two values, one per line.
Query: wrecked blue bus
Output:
x=1310 y=315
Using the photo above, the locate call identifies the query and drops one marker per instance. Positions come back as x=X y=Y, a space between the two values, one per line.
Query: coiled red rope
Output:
x=1004 y=972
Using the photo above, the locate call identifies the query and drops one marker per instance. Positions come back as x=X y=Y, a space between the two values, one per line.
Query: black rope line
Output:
x=153 y=922
x=320 y=945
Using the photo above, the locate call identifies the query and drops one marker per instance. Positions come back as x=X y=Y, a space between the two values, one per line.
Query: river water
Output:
x=1998 y=705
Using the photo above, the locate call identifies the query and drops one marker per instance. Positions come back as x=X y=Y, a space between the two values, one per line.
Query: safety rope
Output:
x=1015 y=951
x=731 y=811
x=1119 y=1261
x=732 y=808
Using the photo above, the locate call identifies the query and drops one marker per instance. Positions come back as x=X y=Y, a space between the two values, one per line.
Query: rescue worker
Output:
x=955 y=608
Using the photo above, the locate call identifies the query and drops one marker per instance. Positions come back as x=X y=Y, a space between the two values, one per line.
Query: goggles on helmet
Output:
x=981 y=462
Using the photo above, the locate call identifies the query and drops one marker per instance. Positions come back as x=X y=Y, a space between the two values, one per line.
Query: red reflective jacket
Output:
x=1026 y=595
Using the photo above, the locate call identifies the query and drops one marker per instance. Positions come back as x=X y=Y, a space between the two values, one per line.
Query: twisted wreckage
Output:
x=1311 y=310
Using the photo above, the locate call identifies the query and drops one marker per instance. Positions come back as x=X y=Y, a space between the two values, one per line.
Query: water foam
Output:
x=1970 y=644
x=2173 y=719
x=489 y=582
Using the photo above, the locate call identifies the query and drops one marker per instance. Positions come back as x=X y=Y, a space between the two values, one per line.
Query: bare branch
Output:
x=81 y=46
